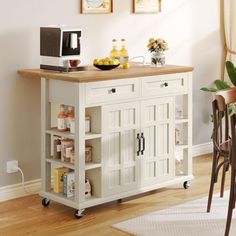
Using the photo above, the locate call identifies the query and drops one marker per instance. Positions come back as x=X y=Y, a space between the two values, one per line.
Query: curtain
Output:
x=229 y=30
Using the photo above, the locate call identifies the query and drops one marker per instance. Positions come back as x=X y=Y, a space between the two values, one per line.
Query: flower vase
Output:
x=158 y=58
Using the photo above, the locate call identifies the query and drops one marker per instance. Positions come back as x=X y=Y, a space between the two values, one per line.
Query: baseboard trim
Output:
x=17 y=190
x=202 y=149
x=33 y=186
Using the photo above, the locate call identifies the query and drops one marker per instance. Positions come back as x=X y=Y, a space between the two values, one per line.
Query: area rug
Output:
x=189 y=219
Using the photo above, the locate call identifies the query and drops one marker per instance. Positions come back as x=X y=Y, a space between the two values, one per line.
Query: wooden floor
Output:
x=26 y=216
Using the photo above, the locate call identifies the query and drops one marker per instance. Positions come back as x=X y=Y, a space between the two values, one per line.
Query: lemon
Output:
x=116 y=62
x=126 y=65
x=100 y=63
x=95 y=61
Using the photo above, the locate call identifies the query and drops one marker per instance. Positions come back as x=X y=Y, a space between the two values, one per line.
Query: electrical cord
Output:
x=22 y=179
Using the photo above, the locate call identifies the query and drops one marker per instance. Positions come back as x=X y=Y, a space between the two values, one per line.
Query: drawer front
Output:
x=112 y=90
x=164 y=84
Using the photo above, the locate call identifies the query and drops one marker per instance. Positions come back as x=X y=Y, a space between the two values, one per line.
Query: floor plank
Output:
x=26 y=216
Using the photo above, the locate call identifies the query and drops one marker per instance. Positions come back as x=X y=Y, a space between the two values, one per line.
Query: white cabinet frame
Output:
x=79 y=95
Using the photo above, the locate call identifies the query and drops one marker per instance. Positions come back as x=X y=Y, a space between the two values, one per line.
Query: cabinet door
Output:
x=157 y=125
x=120 y=164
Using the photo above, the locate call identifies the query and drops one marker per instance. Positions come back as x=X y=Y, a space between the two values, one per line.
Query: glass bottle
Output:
x=114 y=54
x=124 y=56
x=69 y=117
x=57 y=147
x=61 y=119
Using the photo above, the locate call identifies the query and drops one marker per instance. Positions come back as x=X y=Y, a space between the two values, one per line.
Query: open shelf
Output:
x=181 y=120
x=90 y=166
x=180 y=147
x=89 y=136
x=94 y=177
x=96 y=150
x=61 y=195
x=61 y=163
x=65 y=134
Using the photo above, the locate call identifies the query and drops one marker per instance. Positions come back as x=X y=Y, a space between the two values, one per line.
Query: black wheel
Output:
x=186 y=184
x=45 y=202
x=119 y=200
x=78 y=214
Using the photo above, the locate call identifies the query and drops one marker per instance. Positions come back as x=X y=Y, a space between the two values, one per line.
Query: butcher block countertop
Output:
x=92 y=74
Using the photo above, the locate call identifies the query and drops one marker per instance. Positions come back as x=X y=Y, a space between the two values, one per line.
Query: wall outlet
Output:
x=12 y=166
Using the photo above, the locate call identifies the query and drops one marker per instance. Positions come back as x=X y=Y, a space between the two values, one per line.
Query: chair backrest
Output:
x=233 y=146
x=225 y=97
x=220 y=114
x=220 y=124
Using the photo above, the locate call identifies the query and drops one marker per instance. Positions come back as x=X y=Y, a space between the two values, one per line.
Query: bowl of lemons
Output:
x=106 y=63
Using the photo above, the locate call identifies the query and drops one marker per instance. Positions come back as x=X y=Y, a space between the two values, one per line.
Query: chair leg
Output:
x=231 y=203
x=223 y=180
x=213 y=177
x=229 y=218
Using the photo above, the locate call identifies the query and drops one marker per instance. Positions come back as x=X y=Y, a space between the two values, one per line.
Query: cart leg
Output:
x=186 y=184
x=79 y=213
x=45 y=202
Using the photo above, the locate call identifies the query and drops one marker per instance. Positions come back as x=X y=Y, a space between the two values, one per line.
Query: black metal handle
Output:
x=113 y=90
x=143 y=138
x=139 y=144
x=165 y=84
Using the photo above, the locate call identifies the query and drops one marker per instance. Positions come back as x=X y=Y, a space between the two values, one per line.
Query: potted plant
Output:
x=220 y=85
x=157 y=48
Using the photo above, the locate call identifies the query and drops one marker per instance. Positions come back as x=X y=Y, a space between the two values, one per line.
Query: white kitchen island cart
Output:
x=133 y=133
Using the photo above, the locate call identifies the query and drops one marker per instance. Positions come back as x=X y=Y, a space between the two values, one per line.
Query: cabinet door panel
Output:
x=157 y=124
x=120 y=124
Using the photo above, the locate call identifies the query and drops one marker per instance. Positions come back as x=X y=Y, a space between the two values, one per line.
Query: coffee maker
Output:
x=60 y=49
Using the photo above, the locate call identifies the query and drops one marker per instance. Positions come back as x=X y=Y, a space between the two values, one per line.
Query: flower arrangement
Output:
x=155 y=45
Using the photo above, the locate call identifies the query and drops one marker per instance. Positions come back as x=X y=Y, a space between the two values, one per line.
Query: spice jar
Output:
x=67 y=146
x=88 y=154
x=72 y=125
x=61 y=119
x=69 y=117
x=56 y=147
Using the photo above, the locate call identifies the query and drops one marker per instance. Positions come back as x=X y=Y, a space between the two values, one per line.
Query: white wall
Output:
x=190 y=26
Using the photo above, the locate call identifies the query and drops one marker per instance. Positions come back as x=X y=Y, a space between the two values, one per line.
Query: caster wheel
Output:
x=79 y=214
x=186 y=184
x=45 y=202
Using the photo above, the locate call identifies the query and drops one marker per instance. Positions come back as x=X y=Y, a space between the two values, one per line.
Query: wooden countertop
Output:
x=92 y=74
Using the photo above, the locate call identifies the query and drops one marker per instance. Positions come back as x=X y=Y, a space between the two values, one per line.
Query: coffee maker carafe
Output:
x=60 y=49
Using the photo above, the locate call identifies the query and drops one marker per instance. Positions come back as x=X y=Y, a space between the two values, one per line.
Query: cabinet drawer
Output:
x=164 y=84
x=112 y=90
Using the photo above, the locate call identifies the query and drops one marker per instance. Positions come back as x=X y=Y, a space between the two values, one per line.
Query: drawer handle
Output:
x=139 y=144
x=143 y=138
x=113 y=90
x=165 y=84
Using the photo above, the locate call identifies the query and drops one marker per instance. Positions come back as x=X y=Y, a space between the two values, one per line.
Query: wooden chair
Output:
x=221 y=139
x=232 y=196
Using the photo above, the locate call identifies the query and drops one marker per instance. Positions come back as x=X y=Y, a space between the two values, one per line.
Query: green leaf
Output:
x=230 y=109
x=231 y=70
x=221 y=84
x=212 y=90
